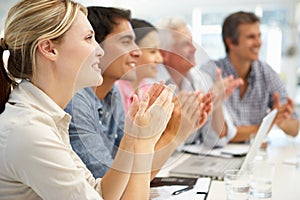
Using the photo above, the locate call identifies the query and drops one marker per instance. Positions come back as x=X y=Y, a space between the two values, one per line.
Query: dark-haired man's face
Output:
x=249 y=43
x=120 y=53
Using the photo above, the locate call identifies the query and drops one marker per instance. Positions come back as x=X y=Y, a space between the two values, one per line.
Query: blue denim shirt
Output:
x=96 y=128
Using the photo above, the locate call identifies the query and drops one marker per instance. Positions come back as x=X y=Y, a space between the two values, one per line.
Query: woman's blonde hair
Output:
x=28 y=22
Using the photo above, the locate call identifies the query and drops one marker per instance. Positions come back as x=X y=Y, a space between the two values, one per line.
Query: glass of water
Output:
x=237 y=184
x=261 y=174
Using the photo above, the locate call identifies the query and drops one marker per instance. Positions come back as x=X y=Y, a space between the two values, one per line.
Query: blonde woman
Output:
x=53 y=53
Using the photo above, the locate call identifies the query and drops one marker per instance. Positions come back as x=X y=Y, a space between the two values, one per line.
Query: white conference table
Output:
x=286 y=181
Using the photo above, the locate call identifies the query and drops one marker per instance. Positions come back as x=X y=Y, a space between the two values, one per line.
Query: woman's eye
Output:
x=126 y=42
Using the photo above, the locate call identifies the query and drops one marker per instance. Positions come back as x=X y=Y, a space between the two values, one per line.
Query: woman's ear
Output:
x=47 y=49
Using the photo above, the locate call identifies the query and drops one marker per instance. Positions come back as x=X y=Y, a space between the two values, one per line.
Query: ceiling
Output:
x=152 y=10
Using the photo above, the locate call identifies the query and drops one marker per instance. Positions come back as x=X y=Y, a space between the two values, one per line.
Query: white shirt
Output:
x=196 y=80
x=36 y=159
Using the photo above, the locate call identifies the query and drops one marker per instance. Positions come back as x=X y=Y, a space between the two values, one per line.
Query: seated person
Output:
x=53 y=53
x=95 y=118
x=178 y=67
x=262 y=90
x=98 y=115
x=146 y=37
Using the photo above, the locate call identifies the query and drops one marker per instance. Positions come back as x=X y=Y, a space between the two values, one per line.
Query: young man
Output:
x=178 y=53
x=98 y=116
x=262 y=89
x=94 y=110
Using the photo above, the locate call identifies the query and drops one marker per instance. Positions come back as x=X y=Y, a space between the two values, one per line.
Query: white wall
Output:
x=153 y=10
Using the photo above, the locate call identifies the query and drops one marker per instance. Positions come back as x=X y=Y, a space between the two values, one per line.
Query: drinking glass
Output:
x=261 y=174
x=237 y=184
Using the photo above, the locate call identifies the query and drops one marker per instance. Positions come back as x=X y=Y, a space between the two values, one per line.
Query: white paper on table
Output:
x=165 y=192
x=291 y=161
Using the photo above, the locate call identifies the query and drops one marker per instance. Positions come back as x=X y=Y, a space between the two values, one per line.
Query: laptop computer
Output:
x=214 y=167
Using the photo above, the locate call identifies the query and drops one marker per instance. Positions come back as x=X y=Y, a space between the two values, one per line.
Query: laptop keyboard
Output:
x=222 y=166
x=206 y=167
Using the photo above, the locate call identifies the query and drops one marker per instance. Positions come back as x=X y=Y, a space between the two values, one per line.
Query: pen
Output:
x=204 y=193
x=182 y=190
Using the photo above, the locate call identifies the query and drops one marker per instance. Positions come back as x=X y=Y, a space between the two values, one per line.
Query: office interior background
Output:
x=280 y=26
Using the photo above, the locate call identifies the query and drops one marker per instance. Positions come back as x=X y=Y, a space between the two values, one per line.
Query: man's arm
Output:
x=187 y=116
x=284 y=118
x=290 y=127
x=86 y=137
x=222 y=126
x=218 y=123
x=244 y=132
x=224 y=131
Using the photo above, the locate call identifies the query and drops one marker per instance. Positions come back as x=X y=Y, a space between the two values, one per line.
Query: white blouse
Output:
x=36 y=159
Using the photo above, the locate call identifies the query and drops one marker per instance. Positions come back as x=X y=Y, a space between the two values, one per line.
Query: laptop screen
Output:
x=259 y=138
x=214 y=167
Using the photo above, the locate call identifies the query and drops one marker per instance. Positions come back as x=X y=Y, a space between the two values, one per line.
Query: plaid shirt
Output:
x=263 y=81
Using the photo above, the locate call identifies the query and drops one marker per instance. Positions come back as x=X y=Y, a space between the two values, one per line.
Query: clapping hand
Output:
x=223 y=87
x=285 y=111
x=148 y=118
x=190 y=113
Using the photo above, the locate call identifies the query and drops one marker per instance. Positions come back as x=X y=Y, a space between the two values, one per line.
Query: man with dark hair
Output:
x=104 y=19
x=97 y=122
x=97 y=113
x=260 y=92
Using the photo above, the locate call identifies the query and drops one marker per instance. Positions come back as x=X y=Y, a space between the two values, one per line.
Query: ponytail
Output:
x=23 y=29
x=5 y=82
